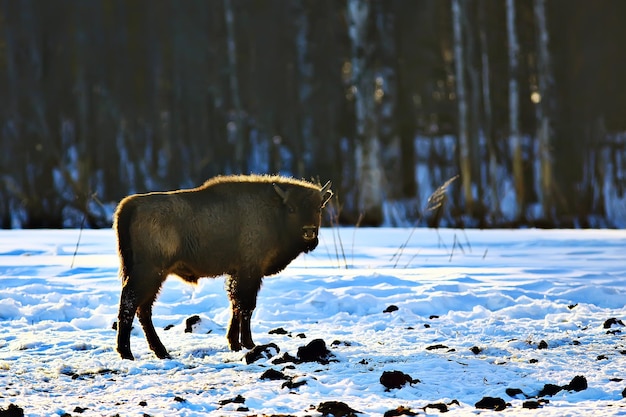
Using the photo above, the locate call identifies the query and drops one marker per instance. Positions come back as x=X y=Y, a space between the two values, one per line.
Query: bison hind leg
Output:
x=128 y=307
x=138 y=294
x=144 y=312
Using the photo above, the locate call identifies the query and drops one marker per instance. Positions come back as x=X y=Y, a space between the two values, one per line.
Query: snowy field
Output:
x=530 y=318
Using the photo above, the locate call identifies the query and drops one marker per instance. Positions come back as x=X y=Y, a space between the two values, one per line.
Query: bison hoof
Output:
x=236 y=347
x=161 y=353
x=127 y=355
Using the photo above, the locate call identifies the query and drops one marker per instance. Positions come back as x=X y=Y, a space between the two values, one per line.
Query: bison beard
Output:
x=246 y=227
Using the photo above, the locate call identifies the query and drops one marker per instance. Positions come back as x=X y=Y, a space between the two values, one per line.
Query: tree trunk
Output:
x=543 y=99
x=304 y=86
x=9 y=160
x=461 y=96
x=492 y=170
x=473 y=97
x=235 y=126
x=405 y=125
x=405 y=105
x=514 y=112
x=369 y=170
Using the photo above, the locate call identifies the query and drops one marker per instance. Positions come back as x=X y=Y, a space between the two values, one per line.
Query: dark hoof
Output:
x=234 y=346
x=127 y=355
x=161 y=353
x=249 y=345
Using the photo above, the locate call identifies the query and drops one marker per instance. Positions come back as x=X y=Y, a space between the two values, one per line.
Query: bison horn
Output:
x=326 y=190
x=282 y=193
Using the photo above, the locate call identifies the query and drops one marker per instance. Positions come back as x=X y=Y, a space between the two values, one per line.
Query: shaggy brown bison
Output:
x=246 y=227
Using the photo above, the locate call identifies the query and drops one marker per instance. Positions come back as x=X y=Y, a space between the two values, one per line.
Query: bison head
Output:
x=303 y=207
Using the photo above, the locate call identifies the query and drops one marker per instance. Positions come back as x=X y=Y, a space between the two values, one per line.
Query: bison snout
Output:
x=309 y=233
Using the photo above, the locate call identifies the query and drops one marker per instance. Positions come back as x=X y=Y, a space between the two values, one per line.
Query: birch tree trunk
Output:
x=514 y=111
x=461 y=96
x=369 y=170
x=544 y=131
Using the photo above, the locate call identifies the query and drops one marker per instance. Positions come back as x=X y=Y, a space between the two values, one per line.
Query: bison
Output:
x=245 y=227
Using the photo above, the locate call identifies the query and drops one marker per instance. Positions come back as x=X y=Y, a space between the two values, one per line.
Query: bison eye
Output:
x=291 y=209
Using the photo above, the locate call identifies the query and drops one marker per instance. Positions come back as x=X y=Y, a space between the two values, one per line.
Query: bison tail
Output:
x=123 y=220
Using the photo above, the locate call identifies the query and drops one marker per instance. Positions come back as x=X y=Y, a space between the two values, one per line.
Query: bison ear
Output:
x=282 y=193
x=326 y=193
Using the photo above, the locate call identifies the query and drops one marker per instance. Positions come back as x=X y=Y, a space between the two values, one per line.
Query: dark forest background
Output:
x=389 y=99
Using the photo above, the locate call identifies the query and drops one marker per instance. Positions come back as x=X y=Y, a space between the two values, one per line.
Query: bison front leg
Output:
x=242 y=294
x=239 y=333
x=234 y=328
x=246 y=332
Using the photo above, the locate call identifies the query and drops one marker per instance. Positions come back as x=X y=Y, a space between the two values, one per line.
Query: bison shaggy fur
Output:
x=245 y=227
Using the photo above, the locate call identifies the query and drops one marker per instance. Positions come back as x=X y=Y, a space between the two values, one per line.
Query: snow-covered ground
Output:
x=479 y=314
